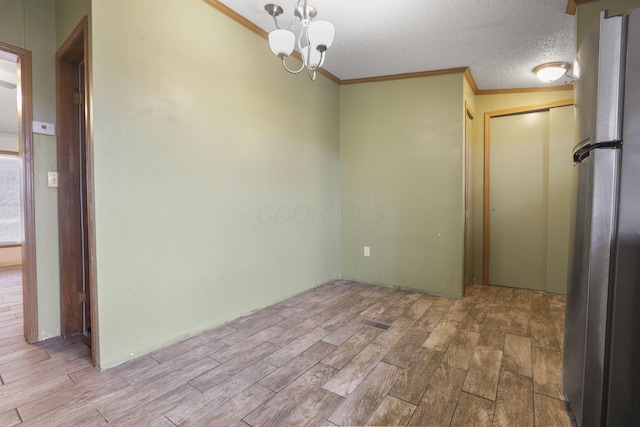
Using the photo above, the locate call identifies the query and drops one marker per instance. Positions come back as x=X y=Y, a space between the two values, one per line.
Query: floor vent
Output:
x=376 y=324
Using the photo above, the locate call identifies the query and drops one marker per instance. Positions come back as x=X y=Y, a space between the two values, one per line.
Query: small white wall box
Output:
x=52 y=179
x=44 y=128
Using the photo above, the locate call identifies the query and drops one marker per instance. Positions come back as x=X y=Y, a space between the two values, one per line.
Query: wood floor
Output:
x=341 y=354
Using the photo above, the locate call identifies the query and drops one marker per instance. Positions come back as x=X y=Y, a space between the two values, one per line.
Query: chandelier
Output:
x=314 y=37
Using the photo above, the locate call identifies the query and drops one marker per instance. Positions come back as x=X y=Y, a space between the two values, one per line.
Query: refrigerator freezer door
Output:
x=610 y=79
x=598 y=74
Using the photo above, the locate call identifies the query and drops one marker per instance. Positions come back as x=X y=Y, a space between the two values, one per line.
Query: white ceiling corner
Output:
x=500 y=40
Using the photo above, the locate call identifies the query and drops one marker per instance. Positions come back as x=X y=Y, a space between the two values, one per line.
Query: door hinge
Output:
x=78 y=99
x=82 y=297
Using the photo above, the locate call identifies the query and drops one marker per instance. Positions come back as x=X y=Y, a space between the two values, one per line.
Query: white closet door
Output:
x=519 y=162
x=531 y=181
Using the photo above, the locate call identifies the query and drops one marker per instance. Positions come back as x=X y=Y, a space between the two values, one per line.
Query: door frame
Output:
x=22 y=58
x=487 y=172
x=468 y=192
x=76 y=45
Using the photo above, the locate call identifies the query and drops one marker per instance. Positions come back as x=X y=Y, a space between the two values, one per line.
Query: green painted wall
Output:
x=12 y=22
x=29 y=24
x=589 y=12
x=68 y=14
x=473 y=205
x=39 y=39
x=216 y=174
x=402 y=183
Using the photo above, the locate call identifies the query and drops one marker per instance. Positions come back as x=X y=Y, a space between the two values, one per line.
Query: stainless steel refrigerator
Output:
x=601 y=362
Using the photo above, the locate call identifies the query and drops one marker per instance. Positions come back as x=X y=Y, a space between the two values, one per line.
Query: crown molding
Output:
x=405 y=76
x=525 y=90
x=216 y=4
x=471 y=80
x=572 y=5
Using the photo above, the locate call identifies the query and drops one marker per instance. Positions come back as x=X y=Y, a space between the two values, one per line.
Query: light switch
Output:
x=53 y=179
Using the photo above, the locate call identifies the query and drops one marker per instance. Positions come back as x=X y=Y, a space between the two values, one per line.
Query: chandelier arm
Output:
x=302 y=32
x=292 y=71
x=292 y=25
x=319 y=62
x=312 y=73
x=275 y=21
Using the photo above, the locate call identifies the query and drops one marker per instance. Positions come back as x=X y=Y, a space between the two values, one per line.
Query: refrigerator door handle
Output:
x=582 y=150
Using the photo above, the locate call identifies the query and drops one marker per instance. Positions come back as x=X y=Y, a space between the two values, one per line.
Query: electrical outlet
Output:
x=52 y=178
x=367 y=252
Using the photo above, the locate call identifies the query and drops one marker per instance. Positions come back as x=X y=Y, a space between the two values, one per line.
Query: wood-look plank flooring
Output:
x=345 y=353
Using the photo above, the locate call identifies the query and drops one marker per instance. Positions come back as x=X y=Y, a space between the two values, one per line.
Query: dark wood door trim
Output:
x=22 y=58
x=73 y=52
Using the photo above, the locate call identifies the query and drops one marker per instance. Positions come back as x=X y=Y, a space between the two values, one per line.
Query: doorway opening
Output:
x=75 y=224
x=24 y=107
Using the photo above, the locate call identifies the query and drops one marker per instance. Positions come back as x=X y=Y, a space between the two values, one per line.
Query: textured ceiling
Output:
x=500 y=40
x=8 y=99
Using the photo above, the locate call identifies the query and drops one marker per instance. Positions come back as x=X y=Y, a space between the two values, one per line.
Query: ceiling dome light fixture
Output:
x=551 y=71
x=314 y=37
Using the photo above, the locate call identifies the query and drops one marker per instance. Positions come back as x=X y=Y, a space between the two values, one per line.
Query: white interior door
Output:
x=531 y=174
x=519 y=153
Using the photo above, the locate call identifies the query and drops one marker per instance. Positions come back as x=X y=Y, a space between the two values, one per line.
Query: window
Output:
x=10 y=212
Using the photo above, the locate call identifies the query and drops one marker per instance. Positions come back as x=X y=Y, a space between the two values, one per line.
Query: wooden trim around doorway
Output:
x=76 y=47
x=572 y=5
x=487 y=163
x=22 y=58
x=468 y=189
